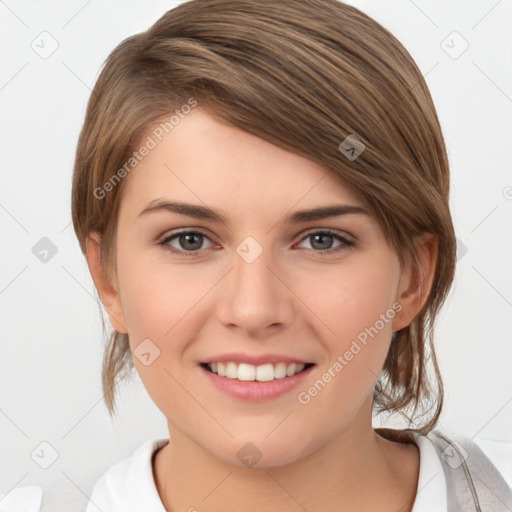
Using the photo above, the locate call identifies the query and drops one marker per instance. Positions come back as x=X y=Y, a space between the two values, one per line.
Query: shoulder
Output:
x=129 y=485
x=500 y=454
x=477 y=453
x=477 y=471
x=457 y=469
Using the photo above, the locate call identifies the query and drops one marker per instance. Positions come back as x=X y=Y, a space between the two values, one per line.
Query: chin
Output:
x=257 y=451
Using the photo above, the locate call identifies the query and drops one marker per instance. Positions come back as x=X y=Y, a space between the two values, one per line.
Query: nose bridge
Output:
x=251 y=268
x=254 y=298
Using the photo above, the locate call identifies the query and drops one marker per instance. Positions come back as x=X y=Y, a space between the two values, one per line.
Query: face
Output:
x=259 y=294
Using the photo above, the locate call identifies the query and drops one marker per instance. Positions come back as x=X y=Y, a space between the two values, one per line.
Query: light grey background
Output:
x=50 y=331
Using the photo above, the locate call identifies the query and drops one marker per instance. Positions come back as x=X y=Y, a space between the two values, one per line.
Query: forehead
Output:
x=220 y=166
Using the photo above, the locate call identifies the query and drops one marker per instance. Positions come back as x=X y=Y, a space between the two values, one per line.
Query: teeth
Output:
x=231 y=370
x=280 y=371
x=261 y=373
x=245 y=371
x=264 y=372
x=290 y=370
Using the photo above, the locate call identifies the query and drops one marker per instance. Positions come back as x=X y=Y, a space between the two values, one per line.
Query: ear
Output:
x=107 y=290
x=415 y=284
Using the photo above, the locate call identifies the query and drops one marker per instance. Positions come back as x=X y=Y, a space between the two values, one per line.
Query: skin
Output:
x=291 y=300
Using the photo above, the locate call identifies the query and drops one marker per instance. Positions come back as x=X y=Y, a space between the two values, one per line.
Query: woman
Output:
x=258 y=132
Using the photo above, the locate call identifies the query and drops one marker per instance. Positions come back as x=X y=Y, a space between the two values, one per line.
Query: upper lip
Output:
x=255 y=359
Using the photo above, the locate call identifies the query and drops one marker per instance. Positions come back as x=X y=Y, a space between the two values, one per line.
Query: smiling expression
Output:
x=246 y=271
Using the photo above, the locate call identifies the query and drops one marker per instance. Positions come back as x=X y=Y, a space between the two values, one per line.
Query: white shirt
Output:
x=26 y=498
x=128 y=486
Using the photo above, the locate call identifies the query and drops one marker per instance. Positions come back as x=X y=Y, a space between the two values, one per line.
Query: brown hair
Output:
x=303 y=76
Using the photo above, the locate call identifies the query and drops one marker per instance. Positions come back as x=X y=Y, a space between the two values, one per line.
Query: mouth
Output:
x=261 y=373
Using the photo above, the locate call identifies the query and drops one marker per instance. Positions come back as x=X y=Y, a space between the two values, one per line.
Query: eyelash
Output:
x=187 y=254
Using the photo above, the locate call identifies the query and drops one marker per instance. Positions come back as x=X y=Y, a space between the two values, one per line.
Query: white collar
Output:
x=431 y=494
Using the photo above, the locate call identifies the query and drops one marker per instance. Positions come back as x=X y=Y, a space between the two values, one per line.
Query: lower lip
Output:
x=255 y=390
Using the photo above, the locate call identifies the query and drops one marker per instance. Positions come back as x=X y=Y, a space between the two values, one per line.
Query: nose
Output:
x=255 y=298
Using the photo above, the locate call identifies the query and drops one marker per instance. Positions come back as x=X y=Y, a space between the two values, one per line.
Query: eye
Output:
x=189 y=242
x=322 y=241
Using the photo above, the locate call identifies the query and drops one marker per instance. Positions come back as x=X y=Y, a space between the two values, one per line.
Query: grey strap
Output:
x=473 y=483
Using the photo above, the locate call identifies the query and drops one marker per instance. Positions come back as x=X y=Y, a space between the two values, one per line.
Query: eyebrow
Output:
x=206 y=213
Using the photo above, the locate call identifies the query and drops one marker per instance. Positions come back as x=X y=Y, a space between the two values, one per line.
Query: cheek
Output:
x=158 y=303
x=348 y=299
x=165 y=304
x=156 y=296
x=356 y=315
